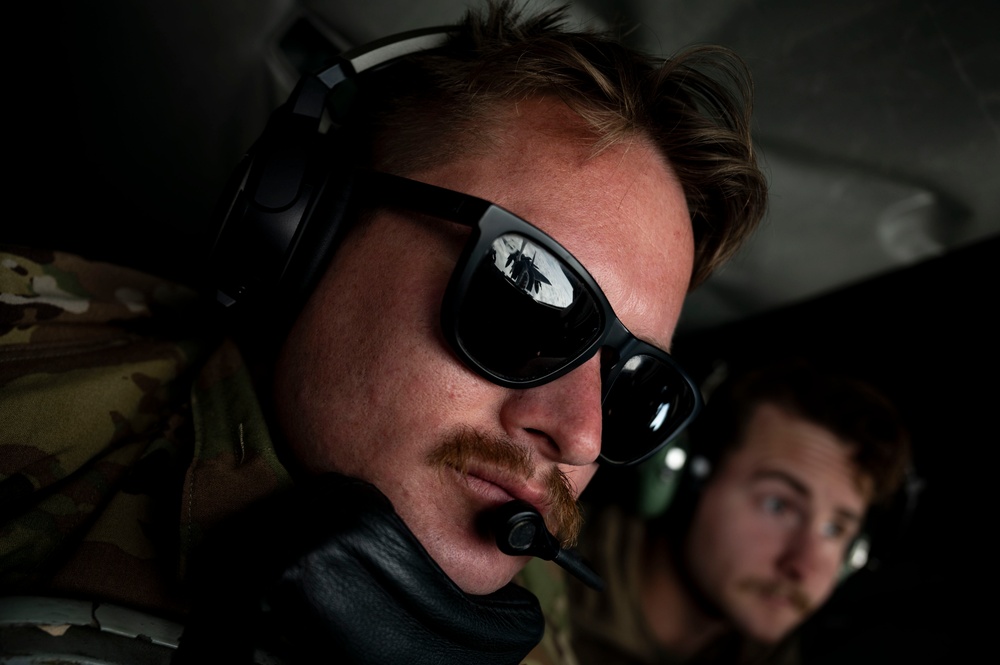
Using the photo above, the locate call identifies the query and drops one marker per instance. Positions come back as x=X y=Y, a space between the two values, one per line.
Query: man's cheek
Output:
x=579 y=477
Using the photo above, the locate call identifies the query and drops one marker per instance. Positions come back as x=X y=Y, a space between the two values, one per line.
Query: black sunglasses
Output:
x=522 y=311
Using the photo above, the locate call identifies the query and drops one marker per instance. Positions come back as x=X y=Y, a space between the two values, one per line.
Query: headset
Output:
x=674 y=478
x=679 y=473
x=283 y=211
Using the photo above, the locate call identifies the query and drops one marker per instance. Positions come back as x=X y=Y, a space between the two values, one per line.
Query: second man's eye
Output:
x=774 y=505
x=836 y=531
x=782 y=510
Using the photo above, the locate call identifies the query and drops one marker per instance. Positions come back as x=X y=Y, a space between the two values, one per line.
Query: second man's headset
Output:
x=284 y=209
x=674 y=478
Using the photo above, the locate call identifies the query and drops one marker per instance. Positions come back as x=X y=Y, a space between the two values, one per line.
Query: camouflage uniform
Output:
x=124 y=433
x=549 y=583
x=127 y=431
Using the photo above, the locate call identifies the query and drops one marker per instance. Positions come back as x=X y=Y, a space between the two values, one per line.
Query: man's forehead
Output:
x=776 y=440
x=621 y=211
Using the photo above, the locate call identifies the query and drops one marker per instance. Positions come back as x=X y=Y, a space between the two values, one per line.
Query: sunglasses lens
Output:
x=648 y=403
x=524 y=314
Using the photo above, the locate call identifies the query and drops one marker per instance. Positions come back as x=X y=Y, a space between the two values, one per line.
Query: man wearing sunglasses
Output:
x=528 y=208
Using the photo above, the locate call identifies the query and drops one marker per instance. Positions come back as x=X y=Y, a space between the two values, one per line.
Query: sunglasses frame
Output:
x=488 y=222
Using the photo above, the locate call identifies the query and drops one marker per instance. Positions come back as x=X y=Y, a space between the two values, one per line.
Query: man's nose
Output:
x=562 y=418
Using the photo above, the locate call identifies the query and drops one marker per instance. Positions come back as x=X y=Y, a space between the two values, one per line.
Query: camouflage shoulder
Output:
x=42 y=286
x=548 y=582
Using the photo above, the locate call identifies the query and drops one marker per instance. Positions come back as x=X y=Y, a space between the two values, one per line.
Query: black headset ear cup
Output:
x=286 y=207
x=271 y=199
x=667 y=477
x=884 y=527
x=857 y=557
x=322 y=230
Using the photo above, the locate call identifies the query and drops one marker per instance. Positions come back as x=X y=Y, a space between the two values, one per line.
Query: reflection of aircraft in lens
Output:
x=524 y=272
x=533 y=270
x=874 y=126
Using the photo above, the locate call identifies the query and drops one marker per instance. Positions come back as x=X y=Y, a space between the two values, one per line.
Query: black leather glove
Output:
x=330 y=573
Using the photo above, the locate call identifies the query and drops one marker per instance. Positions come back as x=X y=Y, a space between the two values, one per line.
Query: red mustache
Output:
x=563 y=519
x=796 y=596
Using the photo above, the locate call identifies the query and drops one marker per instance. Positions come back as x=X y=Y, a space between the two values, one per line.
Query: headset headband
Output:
x=882 y=527
x=265 y=246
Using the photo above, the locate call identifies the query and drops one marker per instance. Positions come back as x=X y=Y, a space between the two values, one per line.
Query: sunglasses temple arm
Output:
x=520 y=530
x=399 y=192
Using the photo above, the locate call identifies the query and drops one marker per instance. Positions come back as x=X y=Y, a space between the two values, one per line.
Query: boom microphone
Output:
x=520 y=530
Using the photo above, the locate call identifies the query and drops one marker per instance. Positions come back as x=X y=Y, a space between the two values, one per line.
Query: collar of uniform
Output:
x=235 y=462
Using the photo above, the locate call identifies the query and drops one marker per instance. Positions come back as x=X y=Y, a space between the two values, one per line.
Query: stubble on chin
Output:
x=457 y=452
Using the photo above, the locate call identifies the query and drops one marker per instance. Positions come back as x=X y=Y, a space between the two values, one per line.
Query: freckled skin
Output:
x=366 y=384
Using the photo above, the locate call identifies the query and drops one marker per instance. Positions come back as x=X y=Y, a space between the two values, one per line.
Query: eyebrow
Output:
x=802 y=489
